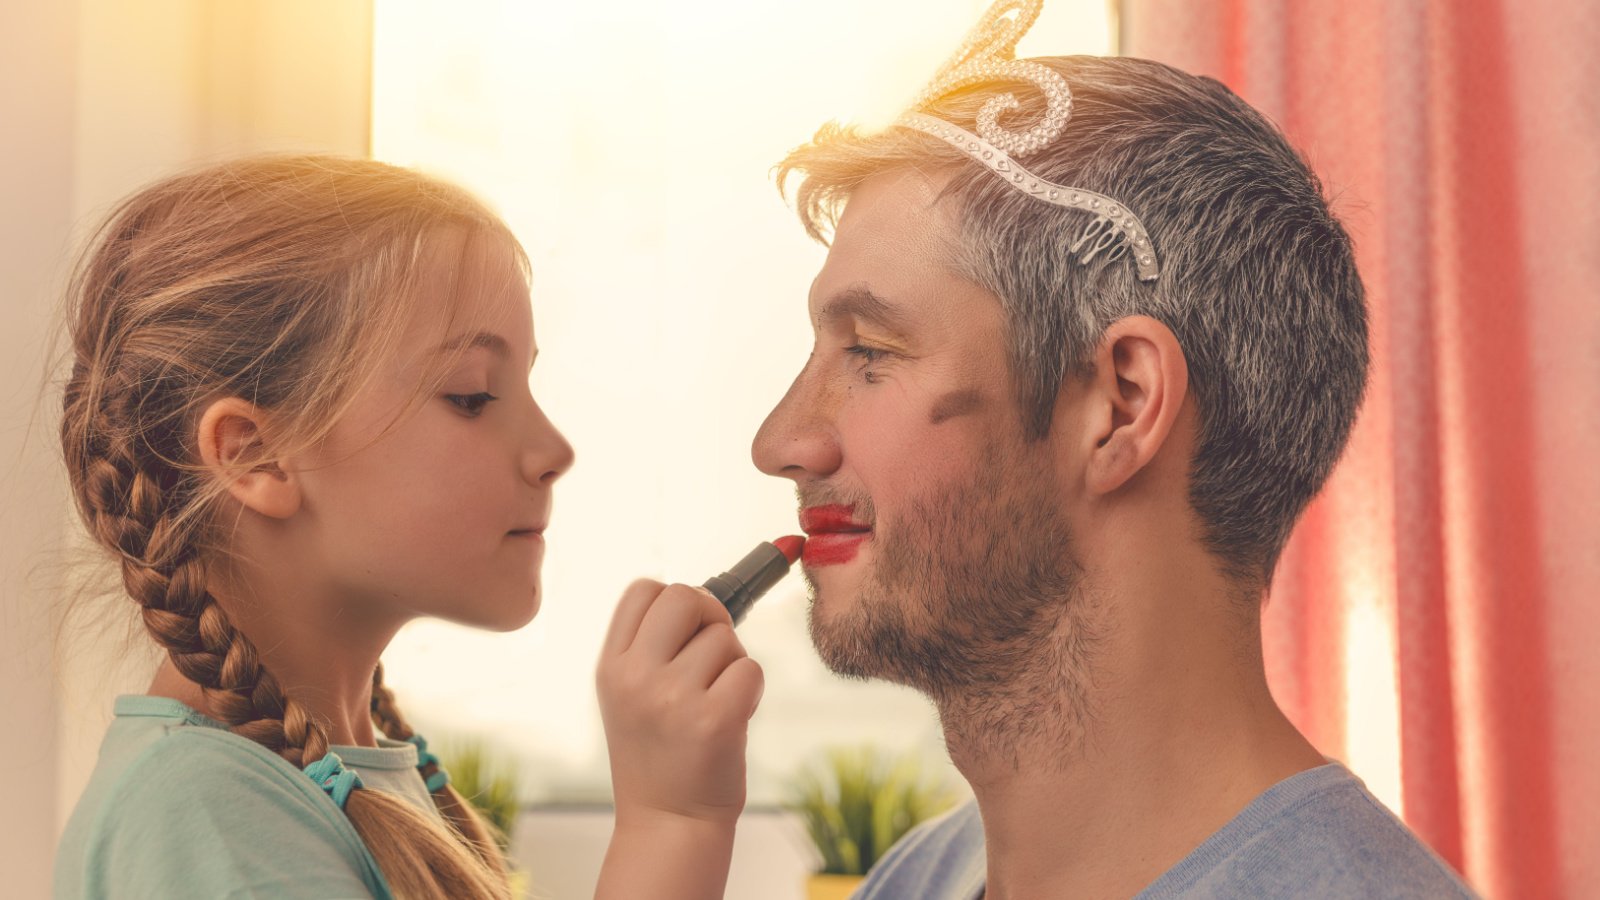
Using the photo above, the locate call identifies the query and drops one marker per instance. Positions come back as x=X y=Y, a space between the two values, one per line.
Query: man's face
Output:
x=938 y=553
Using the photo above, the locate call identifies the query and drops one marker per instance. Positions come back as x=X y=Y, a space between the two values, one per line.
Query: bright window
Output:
x=630 y=144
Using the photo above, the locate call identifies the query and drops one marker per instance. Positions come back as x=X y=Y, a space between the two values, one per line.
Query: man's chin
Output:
x=850 y=638
x=833 y=621
x=834 y=590
x=842 y=657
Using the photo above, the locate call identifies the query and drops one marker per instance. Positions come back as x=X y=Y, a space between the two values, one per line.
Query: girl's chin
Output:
x=509 y=615
x=520 y=618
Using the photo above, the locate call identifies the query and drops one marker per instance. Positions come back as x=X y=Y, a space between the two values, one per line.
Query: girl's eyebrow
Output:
x=488 y=340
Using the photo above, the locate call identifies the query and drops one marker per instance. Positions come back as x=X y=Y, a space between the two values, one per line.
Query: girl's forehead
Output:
x=455 y=259
x=467 y=282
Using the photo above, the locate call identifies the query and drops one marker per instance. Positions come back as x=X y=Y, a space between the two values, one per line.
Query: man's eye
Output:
x=867 y=356
x=471 y=404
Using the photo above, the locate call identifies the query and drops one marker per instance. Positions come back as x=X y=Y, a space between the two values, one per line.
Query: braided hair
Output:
x=281 y=280
x=462 y=815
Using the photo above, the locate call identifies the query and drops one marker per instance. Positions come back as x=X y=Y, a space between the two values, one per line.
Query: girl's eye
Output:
x=471 y=404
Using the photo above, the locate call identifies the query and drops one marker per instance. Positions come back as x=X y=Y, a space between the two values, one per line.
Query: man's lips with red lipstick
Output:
x=832 y=535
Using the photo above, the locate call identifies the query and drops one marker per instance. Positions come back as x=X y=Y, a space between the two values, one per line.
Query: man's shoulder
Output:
x=1320 y=833
x=941 y=859
x=1316 y=834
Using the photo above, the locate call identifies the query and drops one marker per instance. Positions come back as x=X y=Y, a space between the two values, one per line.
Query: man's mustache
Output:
x=860 y=503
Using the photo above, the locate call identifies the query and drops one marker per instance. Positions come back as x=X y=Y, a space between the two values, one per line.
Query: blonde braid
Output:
x=283 y=280
x=474 y=828
x=127 y=507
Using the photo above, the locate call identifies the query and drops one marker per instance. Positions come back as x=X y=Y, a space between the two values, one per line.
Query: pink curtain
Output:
x=1442 y=598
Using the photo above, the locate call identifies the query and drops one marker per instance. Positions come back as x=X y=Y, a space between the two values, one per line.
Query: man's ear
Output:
x=232 y=445
x=1138 y=387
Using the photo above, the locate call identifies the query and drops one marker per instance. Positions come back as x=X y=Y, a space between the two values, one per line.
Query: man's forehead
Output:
x=893 y=233
x=906 y=197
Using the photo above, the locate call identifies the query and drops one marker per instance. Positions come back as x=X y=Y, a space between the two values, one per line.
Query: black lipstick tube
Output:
x=741 y=586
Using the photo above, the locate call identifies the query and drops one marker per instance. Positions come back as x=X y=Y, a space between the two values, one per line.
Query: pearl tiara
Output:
x=987 y=56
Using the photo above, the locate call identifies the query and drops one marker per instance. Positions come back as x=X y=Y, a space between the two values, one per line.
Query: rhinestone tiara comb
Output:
x=986 y=56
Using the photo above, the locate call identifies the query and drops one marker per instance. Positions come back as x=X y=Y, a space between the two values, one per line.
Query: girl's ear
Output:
x=233 y=446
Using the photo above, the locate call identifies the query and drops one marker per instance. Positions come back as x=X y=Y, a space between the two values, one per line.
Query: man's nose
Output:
x=798 y=440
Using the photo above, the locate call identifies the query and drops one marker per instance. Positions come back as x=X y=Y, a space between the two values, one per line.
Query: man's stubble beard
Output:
x=975 y=598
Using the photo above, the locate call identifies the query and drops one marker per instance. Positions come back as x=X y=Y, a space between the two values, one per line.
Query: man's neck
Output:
x=1094 y=788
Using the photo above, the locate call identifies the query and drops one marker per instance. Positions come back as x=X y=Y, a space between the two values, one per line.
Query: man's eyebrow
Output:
x=861 y=303
x=486 y=339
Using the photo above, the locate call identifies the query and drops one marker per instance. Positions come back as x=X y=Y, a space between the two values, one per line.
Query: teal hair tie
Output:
x=331 y=775
x=423 y=756
x=440 y=777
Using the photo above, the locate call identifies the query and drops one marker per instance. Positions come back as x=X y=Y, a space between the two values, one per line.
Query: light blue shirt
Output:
x=1317 y=834
x=180 y=807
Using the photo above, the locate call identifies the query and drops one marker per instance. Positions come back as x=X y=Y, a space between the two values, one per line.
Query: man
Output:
x=1087 y=342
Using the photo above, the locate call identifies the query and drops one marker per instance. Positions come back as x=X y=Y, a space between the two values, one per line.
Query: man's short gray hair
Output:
x=1258 y=279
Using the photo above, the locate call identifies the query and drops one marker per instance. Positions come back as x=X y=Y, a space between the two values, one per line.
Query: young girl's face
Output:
x=443 y=514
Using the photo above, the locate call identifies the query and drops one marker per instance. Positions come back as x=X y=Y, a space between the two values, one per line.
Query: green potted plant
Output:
x=856 y=802
x=490 y=785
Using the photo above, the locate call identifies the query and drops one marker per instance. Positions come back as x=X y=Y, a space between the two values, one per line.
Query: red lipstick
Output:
x=791 y=546
x=833 y=534
x=741 y=586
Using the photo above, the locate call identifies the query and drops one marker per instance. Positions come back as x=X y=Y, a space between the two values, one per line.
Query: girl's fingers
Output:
x=676 y=615
x=708 y=653
x=631 y=609
x=739 y=686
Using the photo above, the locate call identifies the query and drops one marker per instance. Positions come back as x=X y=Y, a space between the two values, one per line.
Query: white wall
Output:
x=100 y=96
x=630 y=146
x=37 y=43
x=96 y=98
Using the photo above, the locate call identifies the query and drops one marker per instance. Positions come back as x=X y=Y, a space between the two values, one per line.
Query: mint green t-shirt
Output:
x=180 y=807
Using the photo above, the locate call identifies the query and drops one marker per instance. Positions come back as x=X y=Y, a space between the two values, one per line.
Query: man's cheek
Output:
x=903 y=493
x=927 y=458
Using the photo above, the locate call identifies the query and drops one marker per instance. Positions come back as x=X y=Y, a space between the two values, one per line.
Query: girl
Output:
x=298 y=417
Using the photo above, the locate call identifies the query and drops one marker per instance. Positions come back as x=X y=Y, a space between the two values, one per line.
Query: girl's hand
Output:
x=676 y=695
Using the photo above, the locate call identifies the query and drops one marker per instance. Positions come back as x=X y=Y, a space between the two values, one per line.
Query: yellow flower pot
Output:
x=832 y=887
